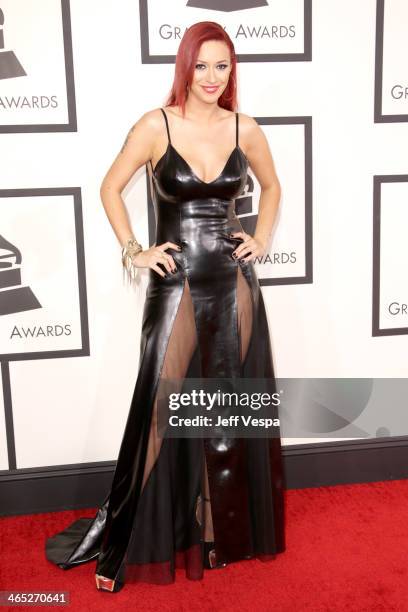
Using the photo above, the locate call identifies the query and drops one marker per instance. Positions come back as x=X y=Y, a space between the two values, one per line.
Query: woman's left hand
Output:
x=249 y=249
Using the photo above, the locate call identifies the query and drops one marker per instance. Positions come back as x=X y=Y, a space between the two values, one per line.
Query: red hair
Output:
x=186 y=58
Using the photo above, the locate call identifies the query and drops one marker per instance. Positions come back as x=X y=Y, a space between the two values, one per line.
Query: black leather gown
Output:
x=206 y=320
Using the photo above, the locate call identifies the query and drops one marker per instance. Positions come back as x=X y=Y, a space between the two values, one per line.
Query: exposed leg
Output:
x=180 y=348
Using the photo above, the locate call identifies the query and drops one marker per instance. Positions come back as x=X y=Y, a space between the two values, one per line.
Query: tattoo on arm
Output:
x=127 y=138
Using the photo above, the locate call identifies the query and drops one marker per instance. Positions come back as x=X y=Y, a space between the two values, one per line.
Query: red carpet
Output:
x=347 y=549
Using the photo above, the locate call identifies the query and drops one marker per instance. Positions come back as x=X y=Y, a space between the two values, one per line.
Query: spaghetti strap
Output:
x=236 y=123
x=167 y=124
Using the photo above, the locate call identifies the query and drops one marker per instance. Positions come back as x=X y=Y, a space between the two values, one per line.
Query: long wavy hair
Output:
x=186 y=58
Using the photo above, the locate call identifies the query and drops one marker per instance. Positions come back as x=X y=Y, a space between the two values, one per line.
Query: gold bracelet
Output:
x=129 y=250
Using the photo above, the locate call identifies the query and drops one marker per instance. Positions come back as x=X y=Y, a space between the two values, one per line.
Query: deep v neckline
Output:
x=193 y=173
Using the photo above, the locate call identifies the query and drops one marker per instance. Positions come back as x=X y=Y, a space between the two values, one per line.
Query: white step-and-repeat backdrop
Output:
x=326 y=81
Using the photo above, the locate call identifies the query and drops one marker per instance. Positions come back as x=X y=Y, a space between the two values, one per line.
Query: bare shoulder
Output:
x=151 y=120
x=247 y=125
x=143 y=133
x=256 y=148
x=251 y=135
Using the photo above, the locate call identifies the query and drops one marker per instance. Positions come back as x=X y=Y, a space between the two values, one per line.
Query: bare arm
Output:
x=135 y=152
x=262 y=164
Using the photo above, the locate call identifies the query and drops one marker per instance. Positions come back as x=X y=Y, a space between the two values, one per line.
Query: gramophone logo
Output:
x=37 y=46
x=226 y=5
x=14 y=297
x=10 y=66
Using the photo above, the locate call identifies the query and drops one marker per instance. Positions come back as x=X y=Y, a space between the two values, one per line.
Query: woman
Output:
x=190 y=502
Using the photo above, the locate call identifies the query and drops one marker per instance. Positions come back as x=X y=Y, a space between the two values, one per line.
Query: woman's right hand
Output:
x=150 y=258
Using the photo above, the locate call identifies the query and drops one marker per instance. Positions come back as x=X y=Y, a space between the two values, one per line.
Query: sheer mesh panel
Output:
x=180 y=348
